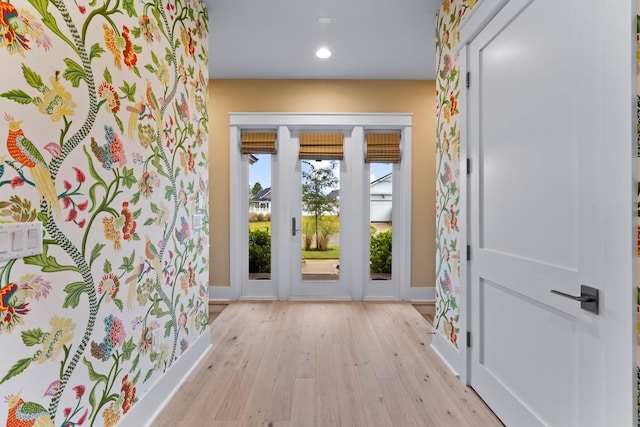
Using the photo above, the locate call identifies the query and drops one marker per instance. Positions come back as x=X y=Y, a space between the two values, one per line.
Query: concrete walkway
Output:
x=320 y=266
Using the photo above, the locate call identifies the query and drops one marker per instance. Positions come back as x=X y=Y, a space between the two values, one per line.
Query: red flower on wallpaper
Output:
x=129 y=224
x=130 y=57
x=12 y=307
x=129 y=392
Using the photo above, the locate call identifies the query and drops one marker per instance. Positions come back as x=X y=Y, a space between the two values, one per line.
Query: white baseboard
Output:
x=223 y=293
x=413 y=294
x=153 y=402
x=446 y=352
x=422 y=294
x=381 y=298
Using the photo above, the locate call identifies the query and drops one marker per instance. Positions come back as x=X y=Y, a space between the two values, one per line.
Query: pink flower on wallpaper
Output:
x=80 y=177
x=54 y=149
x=73 y=214
x=16 y=182
x=35 y=286
x=79 y=389
x=447 y=62
x=53 y=388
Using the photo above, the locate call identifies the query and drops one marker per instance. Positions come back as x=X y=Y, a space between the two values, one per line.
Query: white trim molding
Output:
x=154 y=401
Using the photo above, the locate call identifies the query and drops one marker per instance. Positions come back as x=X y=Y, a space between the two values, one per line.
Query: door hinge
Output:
x=468 y=166
x=468 y=253
x=468 y=339
x=468 y=79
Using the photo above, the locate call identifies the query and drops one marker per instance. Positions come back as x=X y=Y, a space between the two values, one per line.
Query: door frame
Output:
x=620 y=154
x=362 y=288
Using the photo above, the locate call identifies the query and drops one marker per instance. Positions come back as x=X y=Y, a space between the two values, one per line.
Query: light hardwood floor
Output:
x=323 y=364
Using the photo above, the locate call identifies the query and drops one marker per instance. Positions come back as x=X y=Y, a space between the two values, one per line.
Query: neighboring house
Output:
x=261 y=202
x=380 y=195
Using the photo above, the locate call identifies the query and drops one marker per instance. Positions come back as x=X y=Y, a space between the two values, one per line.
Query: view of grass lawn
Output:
x=259 y=225
x=332 y=253
x=266 y=224
x=263 y=224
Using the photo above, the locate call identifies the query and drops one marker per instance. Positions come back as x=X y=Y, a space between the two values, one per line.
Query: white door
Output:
x=551 y=208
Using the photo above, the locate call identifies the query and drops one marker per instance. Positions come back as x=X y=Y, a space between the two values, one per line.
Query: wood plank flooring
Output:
x=323 y=364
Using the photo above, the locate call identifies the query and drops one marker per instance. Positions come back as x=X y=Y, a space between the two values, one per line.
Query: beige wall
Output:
x=366 y=96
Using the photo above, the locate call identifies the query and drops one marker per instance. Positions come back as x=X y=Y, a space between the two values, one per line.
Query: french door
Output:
x=320 y=226
x=319 y=243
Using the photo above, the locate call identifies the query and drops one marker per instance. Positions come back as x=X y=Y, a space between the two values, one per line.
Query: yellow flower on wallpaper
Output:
x=56 y=102
x=110 y=416
x=447 y=113
x=110 y=232
x=110 y=44
x=61 y=333
x=163 y=72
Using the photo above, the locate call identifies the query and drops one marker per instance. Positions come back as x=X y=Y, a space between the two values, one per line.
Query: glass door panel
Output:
x=259 y=227
x=320 y=208
x=380 y=221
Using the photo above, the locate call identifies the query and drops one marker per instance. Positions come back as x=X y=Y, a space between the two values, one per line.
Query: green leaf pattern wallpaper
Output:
x=447 y=315
x=103 y=109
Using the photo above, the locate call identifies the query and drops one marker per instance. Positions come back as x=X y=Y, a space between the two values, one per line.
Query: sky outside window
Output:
x=261 y=170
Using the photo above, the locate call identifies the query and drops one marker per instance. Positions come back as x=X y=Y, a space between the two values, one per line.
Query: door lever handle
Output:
x=581 y=298
x=293 y=226
x=589 y=298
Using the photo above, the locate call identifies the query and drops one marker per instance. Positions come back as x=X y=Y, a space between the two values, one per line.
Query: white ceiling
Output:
x=277 y=39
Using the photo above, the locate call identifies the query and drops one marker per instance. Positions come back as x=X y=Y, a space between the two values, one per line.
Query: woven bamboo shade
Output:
x=321 y=146
x=383 y=148
x=258 y=142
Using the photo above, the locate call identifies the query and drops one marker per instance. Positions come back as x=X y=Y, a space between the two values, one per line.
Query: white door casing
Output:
x=354 y=272
x=549 y=131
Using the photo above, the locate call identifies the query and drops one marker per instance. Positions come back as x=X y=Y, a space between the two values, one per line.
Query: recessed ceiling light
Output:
x=323 y=53
x=324 y=20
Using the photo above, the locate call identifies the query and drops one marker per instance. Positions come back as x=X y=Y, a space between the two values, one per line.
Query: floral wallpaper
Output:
x=447 y=315
x=104 y=119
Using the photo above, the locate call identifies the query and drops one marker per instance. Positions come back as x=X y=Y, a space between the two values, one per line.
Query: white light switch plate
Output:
x=20 y=239
x=5 y=245
x=197 y=222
